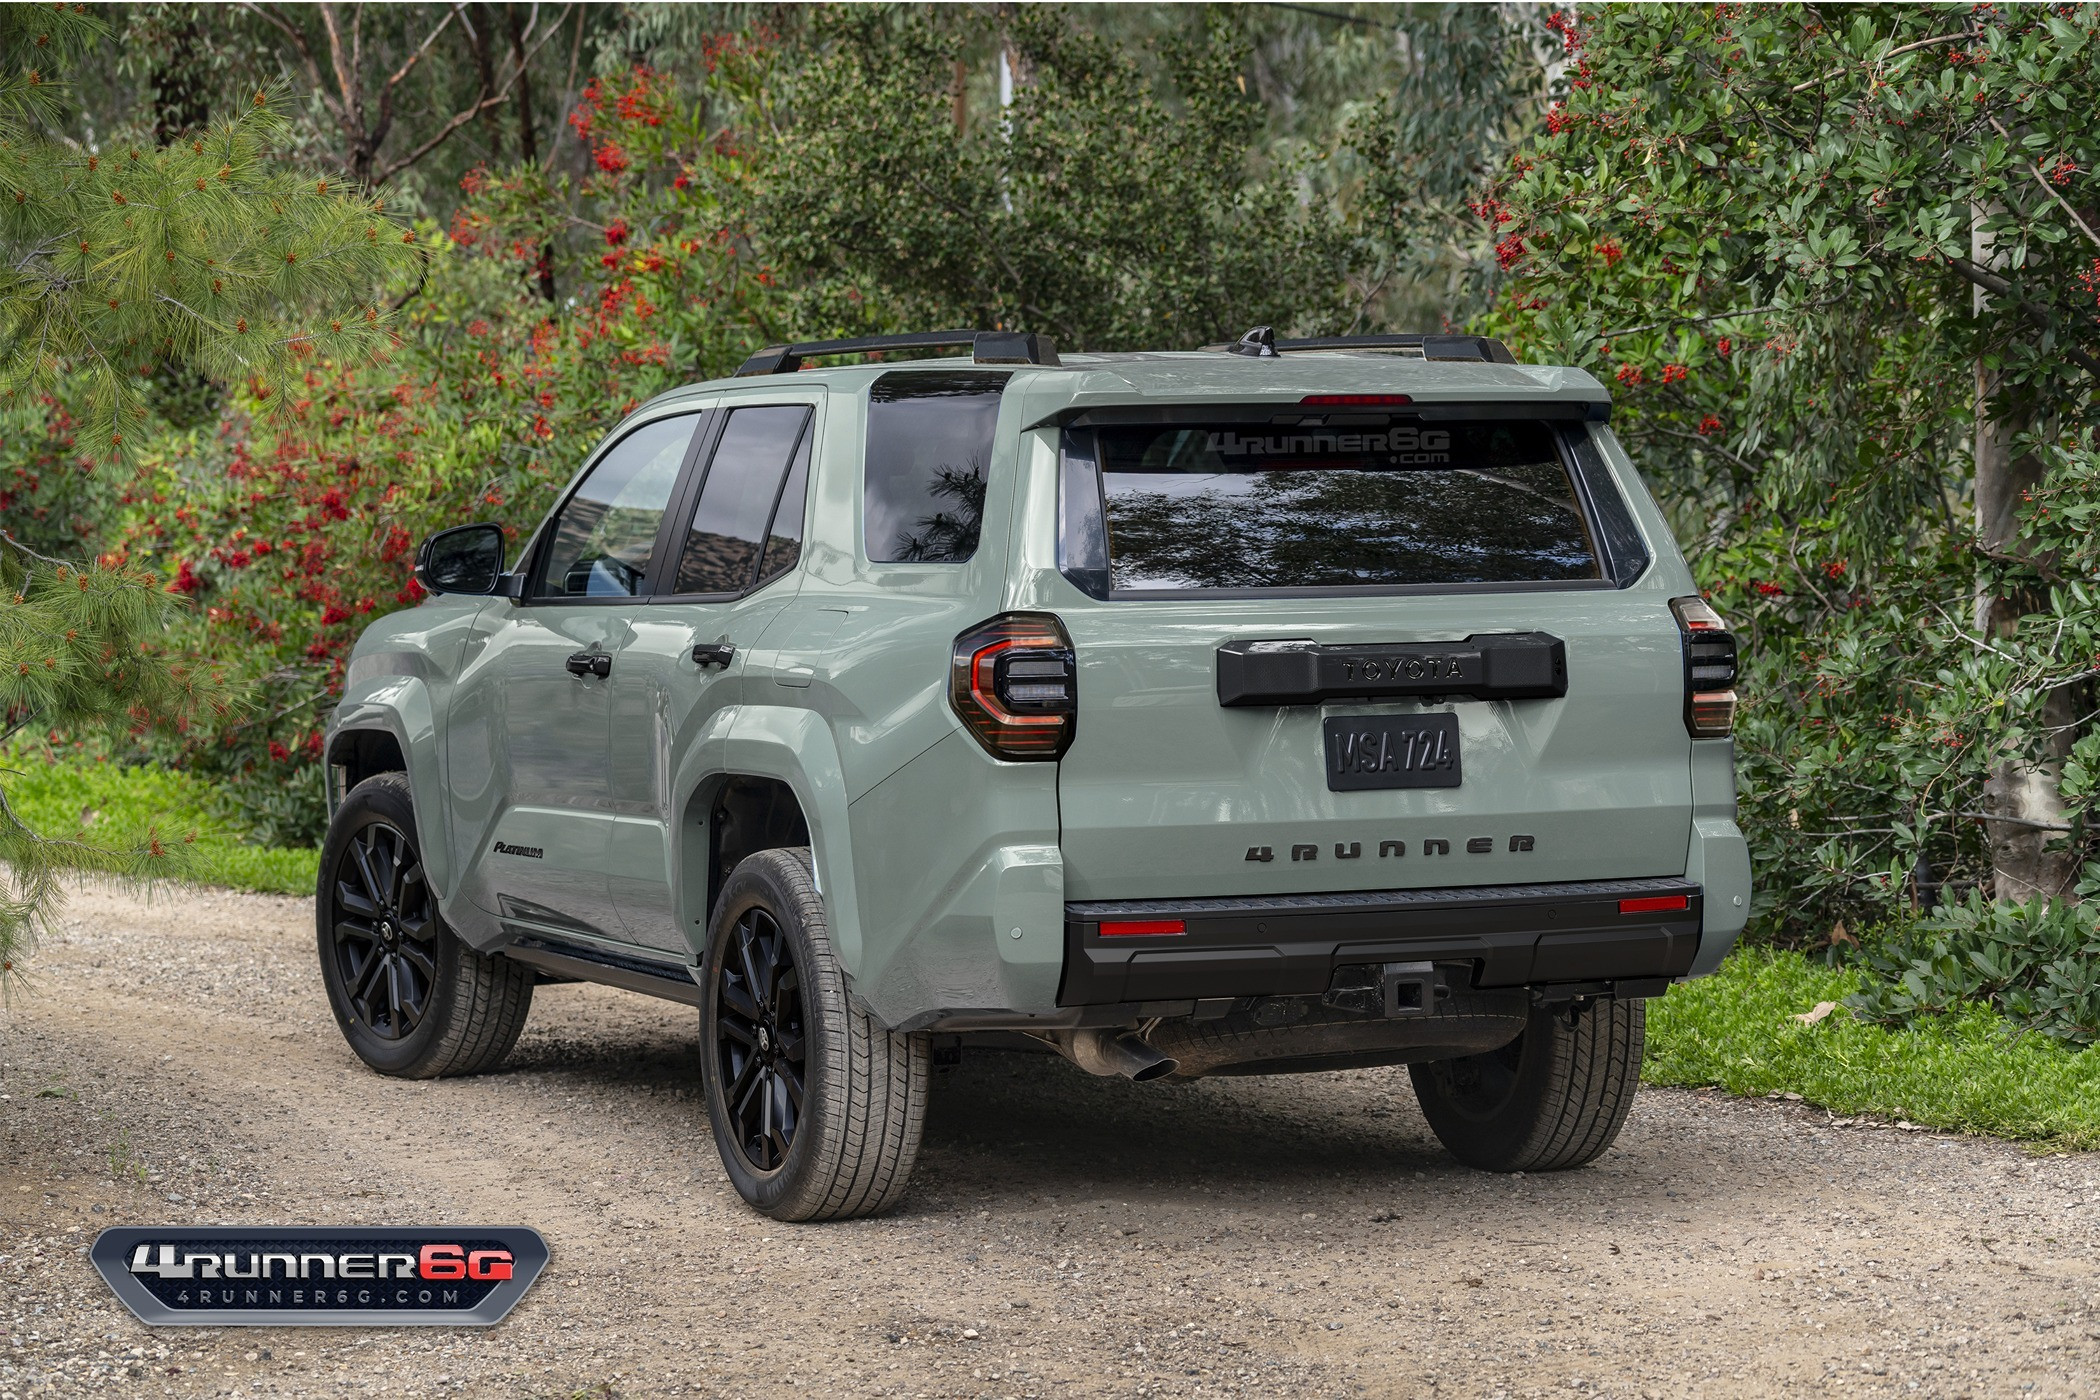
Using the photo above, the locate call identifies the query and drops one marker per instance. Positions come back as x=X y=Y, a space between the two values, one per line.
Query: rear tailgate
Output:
x=1183 y=783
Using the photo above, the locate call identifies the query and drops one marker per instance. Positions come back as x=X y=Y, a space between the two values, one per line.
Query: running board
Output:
x=580 y=961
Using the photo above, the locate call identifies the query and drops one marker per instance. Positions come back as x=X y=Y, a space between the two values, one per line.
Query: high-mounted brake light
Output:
x=1356 y=400
x=1709 y=669
x=1014 y=683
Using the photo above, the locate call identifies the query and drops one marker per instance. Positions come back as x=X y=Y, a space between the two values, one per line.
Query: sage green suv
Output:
x=1277 y=706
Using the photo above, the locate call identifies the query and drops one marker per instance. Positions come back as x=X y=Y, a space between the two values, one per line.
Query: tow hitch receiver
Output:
x=1385 y=989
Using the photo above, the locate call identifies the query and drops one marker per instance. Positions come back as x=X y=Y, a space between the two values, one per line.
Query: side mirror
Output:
x=464 y=559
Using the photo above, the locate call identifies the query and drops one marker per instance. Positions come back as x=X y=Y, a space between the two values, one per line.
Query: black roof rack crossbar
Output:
x=987 y=348
x=1261 y=343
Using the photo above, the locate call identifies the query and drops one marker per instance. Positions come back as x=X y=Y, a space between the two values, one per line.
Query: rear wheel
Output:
x=409 y=996
x=817 y=1109
x=1553 y=1098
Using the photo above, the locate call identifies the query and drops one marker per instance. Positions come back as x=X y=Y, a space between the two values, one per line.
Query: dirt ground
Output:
x=1065 y=1236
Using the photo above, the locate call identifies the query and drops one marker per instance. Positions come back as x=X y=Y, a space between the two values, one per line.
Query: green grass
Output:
x=89 y=798
x=1975 y=1072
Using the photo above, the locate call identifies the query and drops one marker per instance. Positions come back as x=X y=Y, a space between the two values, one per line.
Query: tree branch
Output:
x=2047 y=188
x=460 y=119
x=386 y=94
x=345 y=76
x=2036 y=312
x=1907 y=48
x=306 y=55
x=1702 y=320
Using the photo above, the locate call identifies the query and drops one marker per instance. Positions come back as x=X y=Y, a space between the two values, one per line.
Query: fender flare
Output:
x=796 y=747
x=399 y=705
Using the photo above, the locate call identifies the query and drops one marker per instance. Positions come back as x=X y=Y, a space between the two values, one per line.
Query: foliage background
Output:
x=1838 y=265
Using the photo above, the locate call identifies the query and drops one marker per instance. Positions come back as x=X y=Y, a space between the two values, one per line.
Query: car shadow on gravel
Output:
x=1276 y=1129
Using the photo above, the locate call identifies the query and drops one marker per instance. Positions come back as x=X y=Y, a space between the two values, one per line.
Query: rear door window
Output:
x=929 y=456
x=1256 y=506
x=743 y=486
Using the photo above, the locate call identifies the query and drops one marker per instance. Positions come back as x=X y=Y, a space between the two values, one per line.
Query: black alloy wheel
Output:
x=761 y=1039
x=411 y=998
x=815 y=1107
x=385 y=935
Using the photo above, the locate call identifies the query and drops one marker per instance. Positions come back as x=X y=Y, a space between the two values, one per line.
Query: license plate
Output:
x=1392 y=751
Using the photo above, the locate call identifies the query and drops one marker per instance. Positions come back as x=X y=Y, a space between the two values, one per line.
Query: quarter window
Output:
x=929 y=455
x=728 y=533
x=784 y=538
x=603 y=541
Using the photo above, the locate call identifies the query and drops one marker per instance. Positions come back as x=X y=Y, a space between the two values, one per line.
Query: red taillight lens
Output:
x=1015 y=685
x=1655 y=904
x=1142 y=928
x=1356 y=400
x=1709 y=669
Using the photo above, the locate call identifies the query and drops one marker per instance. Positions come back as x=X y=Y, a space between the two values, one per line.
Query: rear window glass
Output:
x=1256 y=505
x=929 y=452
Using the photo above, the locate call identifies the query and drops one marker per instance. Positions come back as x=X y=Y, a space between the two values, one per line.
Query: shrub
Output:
x=292 y=530
x=2037 y=962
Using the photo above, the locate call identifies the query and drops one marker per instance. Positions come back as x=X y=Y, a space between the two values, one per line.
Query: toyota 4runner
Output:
x=1274 y=707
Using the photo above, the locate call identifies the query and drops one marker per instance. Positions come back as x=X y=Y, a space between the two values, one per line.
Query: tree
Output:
x=1842 y=263
x=1100 y=207
x=291 y=531
x=116 y=262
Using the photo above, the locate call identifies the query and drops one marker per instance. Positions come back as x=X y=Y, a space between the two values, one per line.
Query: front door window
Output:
x=602 y=543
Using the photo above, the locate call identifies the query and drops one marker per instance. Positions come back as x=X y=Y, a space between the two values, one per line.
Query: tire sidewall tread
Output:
x=479 y=1003
x=864 y=1091
x=1574 y=1087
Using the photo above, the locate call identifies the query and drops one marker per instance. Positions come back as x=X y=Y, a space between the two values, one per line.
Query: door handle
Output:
x=713 y=653
x=589 y=663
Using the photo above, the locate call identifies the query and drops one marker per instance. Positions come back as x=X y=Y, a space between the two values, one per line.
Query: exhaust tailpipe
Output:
x=1107 y=1052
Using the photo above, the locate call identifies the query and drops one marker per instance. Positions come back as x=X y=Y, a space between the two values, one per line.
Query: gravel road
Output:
x=174 y=1062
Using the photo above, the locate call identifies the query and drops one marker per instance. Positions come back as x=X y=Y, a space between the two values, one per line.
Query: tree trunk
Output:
x=2025 y=804
x=180 y=103
x=528 y=139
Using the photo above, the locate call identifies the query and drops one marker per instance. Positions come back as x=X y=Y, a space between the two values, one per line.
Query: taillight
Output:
x=1709 y=669
x=1015 y=684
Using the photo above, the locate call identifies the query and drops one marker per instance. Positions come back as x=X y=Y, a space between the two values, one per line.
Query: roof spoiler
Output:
x=987 y=348
x=1261 y=343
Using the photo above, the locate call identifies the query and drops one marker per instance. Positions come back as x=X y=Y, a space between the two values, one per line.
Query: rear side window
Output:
x=1254 y=505
x=743 y=484
x=929 y=453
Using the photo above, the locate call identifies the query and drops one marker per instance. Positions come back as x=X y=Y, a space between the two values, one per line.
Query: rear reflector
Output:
x=1655 y=904
x=1356 y=400
x=1141 y=928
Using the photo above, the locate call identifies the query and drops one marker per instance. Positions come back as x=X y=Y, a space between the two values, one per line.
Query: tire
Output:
x=411 y=998
x=817 y=1109
x=1553 y=1098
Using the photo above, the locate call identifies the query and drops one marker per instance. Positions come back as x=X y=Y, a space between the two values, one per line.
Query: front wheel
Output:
x=817 y=1109
x=410 y=997
x=1553 y=1098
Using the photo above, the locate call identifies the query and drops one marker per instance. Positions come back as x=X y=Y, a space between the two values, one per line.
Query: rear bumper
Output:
x=1290 y=945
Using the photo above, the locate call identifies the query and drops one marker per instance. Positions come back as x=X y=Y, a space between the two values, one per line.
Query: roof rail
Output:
x=1261 y=343
x=987 y=347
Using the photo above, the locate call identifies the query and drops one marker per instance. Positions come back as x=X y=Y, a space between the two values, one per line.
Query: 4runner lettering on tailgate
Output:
x=1003 y=694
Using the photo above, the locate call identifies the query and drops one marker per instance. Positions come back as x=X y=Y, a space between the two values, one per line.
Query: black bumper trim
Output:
x=1289 y=945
